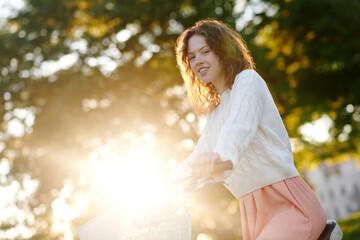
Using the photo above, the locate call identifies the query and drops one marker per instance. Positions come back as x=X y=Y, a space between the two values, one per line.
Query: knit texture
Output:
x=247 y=129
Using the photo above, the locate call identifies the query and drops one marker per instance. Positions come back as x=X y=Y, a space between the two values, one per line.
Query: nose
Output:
x=198 y=61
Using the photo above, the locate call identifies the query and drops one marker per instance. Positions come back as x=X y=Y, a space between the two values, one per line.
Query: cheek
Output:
x=215 y=58
x=219 y=64
x=192 y=67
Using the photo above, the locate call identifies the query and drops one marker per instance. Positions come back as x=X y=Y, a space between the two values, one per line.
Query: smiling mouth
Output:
x=202 y=70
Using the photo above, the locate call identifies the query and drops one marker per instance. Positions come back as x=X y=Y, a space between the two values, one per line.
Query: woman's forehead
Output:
x=196 y=43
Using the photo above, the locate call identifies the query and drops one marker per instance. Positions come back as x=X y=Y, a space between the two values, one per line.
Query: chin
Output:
x=205 y=80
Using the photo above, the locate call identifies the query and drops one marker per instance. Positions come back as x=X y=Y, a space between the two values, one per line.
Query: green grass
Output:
x=351 y=227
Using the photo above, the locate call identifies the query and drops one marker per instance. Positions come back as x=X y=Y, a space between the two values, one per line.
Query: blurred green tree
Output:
x=309 y=52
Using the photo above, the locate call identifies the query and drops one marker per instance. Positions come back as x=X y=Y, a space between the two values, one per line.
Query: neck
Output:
x=220 y=87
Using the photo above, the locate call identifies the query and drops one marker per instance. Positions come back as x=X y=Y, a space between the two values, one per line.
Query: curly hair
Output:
x=232 y=51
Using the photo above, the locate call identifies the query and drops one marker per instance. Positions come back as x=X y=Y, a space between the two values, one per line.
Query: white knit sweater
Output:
x=247 y=129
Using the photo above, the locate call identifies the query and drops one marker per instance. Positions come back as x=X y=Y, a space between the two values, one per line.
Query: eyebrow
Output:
x=198 y=50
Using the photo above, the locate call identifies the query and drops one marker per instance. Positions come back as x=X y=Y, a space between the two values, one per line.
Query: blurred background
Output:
x=93 y=108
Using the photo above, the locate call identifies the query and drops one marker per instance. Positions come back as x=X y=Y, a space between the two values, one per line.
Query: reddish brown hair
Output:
x=232 y=51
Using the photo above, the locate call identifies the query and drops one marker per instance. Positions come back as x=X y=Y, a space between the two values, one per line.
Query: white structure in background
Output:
x=337 y=187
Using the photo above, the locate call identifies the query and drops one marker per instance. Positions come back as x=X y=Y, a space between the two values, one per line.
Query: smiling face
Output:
x=205 y=63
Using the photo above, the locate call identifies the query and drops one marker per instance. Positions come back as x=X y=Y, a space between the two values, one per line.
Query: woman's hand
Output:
x=204 y=163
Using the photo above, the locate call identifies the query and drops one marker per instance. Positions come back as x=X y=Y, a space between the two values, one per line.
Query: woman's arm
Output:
x=247 y=105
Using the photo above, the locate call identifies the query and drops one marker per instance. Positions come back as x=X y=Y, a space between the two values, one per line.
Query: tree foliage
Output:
x=311 y=51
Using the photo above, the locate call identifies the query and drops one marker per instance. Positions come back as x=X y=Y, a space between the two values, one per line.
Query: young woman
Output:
x=244 y=126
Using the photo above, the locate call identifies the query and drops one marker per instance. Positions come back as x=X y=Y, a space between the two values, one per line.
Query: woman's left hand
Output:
x=204 y=163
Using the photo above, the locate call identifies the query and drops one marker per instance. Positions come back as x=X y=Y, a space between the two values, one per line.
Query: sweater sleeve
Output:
x=203 y=145
x=247 y=103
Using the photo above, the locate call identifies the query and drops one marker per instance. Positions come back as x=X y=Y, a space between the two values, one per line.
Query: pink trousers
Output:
x=284 y=210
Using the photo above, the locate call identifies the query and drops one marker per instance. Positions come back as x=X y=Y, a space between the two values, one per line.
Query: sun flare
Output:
x=132 y=183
